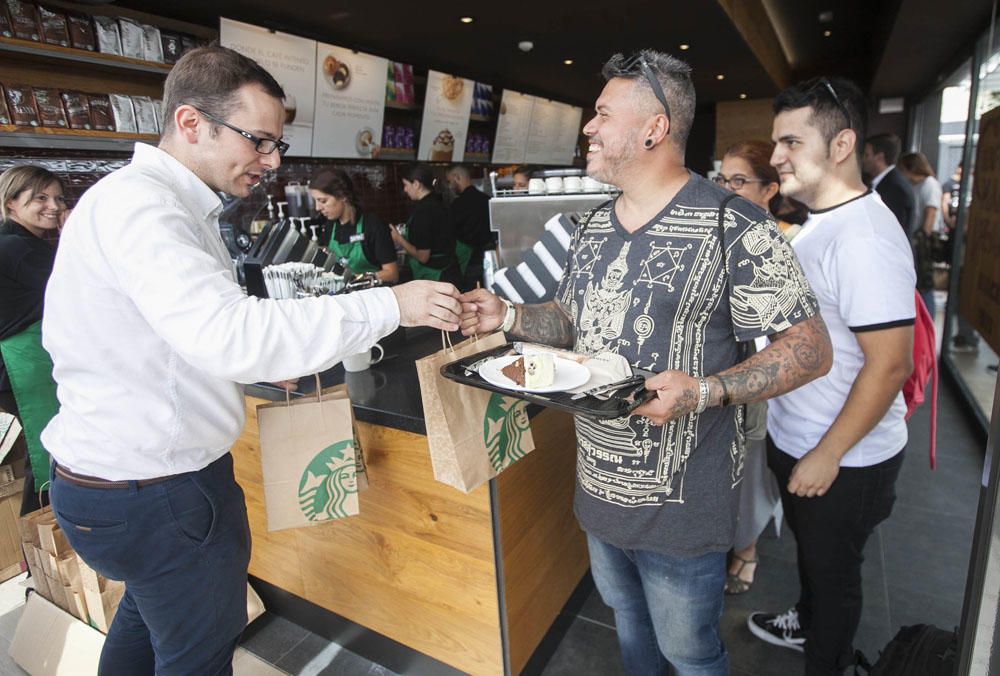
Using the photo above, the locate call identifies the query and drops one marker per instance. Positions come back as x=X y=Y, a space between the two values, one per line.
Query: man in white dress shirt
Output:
x=151 y=338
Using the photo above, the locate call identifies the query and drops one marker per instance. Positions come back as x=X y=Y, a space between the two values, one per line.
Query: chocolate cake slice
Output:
x=515 y=371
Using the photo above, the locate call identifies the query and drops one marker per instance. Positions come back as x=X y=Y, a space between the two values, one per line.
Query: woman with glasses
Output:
x=430 y=240
x=927 y=238
x=747 y=171
x=360 y=240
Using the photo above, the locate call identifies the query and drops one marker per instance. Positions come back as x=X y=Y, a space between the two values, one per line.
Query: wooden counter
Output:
x=474 y=581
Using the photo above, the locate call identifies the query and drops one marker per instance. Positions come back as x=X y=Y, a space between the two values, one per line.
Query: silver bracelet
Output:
x=508 y=319
x=702 y=396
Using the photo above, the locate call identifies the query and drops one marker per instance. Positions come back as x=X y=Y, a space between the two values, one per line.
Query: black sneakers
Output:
x=781 y=630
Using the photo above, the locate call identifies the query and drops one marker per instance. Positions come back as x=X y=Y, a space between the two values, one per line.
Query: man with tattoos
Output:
x=658 y=277
x=836 y=444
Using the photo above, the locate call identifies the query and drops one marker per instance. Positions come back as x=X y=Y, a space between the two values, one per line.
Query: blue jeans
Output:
x=182 y=546
x=667 y=608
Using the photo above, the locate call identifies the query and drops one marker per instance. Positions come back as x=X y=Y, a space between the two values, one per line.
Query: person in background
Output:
x=747 y=171
x=521 y=177
x=470 y=220
x=966 y=339
x=949 y=198
x=430 y=240
x=360 y=240
x=836 y=444
x=879 y=162
x=152 y=337
x=930 y=225
x=33 y=208
x=657 y=492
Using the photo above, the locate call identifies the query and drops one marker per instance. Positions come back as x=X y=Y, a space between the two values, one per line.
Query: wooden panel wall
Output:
x=544 y=551
x=417 y=564
x=737 y=121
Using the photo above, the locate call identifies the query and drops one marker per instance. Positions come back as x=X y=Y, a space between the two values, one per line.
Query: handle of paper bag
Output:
x=446 y=343
x=42 y=490
x=319 y=392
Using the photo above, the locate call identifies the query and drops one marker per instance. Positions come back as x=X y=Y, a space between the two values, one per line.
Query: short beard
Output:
x=614 y=167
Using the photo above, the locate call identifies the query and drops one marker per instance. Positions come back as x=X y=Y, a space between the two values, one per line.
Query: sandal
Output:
x=734 y=583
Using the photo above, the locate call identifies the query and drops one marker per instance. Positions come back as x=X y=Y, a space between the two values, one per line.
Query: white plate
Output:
x=568 y=375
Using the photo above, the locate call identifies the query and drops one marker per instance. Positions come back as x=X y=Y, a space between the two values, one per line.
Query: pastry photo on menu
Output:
x=337 y=73
x=365 y=143
x=452 y=87
x=443 y=146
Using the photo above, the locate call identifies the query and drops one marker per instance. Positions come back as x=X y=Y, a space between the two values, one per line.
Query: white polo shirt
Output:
x=860 y=265
x=150 y=334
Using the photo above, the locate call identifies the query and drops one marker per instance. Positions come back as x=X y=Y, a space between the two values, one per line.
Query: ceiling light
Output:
x=720 y=76
x=826 y=16
x=466 y=19
x=525 y=45
x=827 y=34
x=568 y=62
x=685 y=47
x=743 y=96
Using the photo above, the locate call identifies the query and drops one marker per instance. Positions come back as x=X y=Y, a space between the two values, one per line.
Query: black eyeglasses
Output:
x=825 y=85
x=736 y=182
x=637 y=64
x=264 y=146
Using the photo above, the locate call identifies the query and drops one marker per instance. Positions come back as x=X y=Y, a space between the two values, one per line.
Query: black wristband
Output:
x=725 y=392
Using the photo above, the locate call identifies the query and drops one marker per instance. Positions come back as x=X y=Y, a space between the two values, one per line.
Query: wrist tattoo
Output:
x=544 y=323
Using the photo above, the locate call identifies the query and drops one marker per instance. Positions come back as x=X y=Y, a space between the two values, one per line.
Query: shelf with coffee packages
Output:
x=612 y=388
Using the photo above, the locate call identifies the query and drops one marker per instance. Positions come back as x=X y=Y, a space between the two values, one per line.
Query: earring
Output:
x=648 y=143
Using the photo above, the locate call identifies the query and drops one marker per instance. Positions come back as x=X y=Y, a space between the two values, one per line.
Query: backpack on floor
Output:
x=924 y=369
x=917 y=650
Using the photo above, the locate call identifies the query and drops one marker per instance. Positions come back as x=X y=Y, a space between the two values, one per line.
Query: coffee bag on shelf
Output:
x=53 y=25
x=6 y=27
x=145 y=115
x=81 y=32
x=21 y=104
x=171 y=44
x=121 y=107
x=131 y=32
x=4 y=114
x=102 y=117
x=188 y=42
x=49 y=106
x=77 y=110
x=109 y=39
x=152 y=46
x=158 y=108
x=24 y=20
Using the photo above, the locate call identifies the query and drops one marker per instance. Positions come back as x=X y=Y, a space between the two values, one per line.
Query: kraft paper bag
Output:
x=473 y=434
x=311 y=460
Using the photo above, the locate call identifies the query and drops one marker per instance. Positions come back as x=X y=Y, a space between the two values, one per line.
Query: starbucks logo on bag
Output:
x=504 y=427
x=329 y=480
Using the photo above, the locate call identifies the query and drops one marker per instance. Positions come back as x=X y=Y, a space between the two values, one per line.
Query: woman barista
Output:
x=430 y=241
x=360 y=240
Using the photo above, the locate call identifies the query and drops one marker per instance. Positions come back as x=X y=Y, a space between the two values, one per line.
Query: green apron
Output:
x=352 y=254
x=29 y=368
x=464 y=254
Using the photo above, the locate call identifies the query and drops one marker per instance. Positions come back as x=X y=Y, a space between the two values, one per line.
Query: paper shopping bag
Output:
x=310 y=459
x=473 y=434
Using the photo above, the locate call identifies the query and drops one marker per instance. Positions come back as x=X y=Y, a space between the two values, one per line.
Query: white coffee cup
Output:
x=536 y=186
x=592 y=185
x=554 y=184
x=573 y=184
x=361 y=361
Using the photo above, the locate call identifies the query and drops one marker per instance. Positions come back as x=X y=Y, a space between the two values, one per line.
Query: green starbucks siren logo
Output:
x=504 y=425
x=328 y=482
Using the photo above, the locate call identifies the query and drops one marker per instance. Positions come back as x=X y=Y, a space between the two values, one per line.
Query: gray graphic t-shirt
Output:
x=663 y=298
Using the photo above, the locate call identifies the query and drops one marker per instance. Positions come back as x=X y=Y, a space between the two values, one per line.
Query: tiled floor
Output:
x=915 y=569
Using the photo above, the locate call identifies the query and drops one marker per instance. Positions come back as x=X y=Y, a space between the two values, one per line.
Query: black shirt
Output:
x=470 y=217
x=377 y=243
x=25 y=265
x=430 y=228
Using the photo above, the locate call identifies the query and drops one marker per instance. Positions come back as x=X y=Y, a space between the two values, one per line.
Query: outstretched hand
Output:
x=426 y=303
x=482 y=312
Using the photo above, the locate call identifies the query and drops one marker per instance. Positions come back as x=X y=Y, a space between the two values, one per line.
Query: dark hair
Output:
x=757 y=154
x=336 y=182
x=836 y=103
x=27 y=177
x=420 y=173
x=887 y=144
x=916 y=164
x=209 y=78
x=674 y=77
x=525 y=169
x=461 y=170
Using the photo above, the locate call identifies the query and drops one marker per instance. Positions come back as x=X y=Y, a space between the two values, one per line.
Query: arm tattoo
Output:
x=795 y=356
x=545 y=323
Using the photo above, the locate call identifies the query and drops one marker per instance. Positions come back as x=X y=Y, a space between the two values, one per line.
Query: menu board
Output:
x=979 y=299
x=350 y=103
x=291 y=60
x=535 y=131
x=447 y=106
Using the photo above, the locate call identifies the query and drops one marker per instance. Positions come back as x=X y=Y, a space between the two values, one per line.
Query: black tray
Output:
x=618 y=402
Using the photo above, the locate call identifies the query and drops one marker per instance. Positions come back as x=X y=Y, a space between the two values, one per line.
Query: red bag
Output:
x=924 y=369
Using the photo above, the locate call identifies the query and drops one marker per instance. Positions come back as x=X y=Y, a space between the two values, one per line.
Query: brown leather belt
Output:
x=97 y=482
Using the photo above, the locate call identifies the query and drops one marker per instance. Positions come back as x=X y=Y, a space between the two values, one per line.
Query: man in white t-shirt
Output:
x=835 y=444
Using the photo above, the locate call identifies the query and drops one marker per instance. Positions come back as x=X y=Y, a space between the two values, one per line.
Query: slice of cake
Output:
x=533 y=371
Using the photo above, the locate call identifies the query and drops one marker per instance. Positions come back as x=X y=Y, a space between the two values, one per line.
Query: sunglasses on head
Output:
x=635 y=65
x=824 y=85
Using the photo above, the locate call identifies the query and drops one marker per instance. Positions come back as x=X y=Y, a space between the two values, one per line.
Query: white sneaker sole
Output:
x=766 y=636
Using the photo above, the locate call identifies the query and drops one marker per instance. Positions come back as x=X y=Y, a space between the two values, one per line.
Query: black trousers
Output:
x=830 y=535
